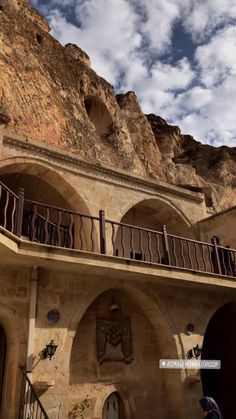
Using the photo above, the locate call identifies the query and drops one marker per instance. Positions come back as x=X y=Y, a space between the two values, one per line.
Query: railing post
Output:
x=20 y=209
x=102 y=228
x=30 y=404
x=166 y=246
x=216 y=259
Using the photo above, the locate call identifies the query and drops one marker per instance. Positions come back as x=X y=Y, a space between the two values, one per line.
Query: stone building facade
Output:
x=85 y=259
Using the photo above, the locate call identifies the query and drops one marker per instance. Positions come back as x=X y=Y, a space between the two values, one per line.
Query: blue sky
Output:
x=179 y=56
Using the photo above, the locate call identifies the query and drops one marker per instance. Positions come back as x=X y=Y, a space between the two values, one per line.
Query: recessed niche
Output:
x=208 y=196
x=39 y=38
x=98 y=114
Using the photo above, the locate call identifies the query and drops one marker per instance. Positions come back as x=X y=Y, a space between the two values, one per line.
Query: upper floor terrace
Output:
x=55 y=226
x=57 y=199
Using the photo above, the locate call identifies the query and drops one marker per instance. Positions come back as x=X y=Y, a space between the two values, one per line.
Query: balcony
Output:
x=53 y=226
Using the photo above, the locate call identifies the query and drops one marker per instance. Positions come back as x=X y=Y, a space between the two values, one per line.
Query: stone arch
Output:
x=150 y=214
x=16 y=338
x=98 y=114
x=115 y=402
x=151 y=305
x=50 y=176
x=167 y=213
x=168 y=337
x=218 y=342
x=48 y=186
x=106 y=392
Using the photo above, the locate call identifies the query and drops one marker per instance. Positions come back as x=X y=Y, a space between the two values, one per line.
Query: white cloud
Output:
x=158 y=25
x=196 y=98
x=217 y=59
x=212 y=117
x=173 y=77
x=107 y=33
x=156 y=91
x=126 y=40
x=49 y=4
x=203 y=17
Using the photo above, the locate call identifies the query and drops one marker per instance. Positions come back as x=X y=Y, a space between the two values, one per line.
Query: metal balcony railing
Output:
x=30 y=405
x=10 y=209
x=60 y=227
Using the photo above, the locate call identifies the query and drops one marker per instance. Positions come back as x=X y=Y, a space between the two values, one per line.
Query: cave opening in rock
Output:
x=39 y=38
x=98 y=114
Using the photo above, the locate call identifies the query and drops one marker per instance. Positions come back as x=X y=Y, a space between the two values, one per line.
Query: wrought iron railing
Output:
x=159 y=247
x=10 y=209
x=54 y=226
x=30 y=405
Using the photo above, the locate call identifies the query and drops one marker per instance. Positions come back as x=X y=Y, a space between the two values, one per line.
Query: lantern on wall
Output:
x=195 y=352
x=50 y=350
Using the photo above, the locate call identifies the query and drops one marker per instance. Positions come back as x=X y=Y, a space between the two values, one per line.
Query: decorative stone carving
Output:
x=114 y=333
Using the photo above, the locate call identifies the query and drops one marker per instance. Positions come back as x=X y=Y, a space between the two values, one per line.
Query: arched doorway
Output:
x=51 y=193
x=40 y=182
x=141 y=242
x=113 y=407
x=36 y=189
x=140 y=381
x=219 y=341
x=3 y=348
x=153 y=213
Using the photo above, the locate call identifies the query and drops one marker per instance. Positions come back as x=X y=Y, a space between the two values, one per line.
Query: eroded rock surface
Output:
x=190 y=164
x=51 y=94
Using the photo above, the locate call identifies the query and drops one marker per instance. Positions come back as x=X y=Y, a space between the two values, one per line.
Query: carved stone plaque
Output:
x=114 y=340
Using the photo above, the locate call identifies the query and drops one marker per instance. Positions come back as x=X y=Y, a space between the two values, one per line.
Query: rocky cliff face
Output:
x=51 y=94
x=179 y=159
x=191 y=164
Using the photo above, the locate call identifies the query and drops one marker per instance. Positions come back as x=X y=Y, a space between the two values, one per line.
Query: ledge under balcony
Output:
x=35 y=233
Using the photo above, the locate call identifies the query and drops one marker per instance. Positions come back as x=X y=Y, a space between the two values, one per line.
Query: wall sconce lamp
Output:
x=50 y=350
x=114 y=306
x=189 y=329
x=194 y=353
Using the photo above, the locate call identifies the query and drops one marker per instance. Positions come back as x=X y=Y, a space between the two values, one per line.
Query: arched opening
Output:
x=51 y=198
x=153 y=213
x=12 y=354
x=218 y=344
x=139 y=380
x=3 y=349
x=142 y=243
x=113 y=407
x=98 y=114
x=35 y=188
